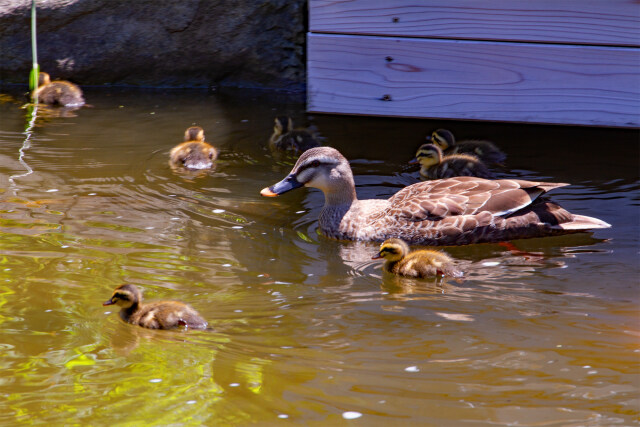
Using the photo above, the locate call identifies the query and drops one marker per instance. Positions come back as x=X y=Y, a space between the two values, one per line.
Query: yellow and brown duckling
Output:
x=435 y=165
x=287 y=139
x=194 y=153
x=486 y=151
x=155 y=315
x=57 y=92
x=420 y=263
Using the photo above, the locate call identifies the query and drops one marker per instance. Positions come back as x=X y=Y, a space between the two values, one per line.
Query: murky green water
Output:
x=306 y=330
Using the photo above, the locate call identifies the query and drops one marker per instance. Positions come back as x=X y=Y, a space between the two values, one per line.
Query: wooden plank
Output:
x=592 y=22
x=474 y=80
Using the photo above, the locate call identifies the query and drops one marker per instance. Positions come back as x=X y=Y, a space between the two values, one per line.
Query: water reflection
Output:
x=304 y=327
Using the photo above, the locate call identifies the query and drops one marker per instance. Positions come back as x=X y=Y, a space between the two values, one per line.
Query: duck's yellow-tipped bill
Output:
x=287 y=184
x=266 y=192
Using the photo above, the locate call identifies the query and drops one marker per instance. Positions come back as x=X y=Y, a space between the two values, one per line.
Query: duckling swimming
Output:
x=155 y=315
x=434 y=165
x=421 y=263
x=286 y=138
x=194 y=153
x=57 y=92
x=486 y=151
x=453 y=211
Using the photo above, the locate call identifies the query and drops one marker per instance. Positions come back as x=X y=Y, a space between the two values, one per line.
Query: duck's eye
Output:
x=315 y=163
x=210 y=155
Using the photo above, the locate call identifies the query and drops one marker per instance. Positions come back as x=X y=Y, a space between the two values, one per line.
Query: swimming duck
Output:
x=486 y=151
x=57 y=92
x=421 y=263
x=434 y=165
x=286 y=138
x=452 y=211
x=155 y=315
x=194 y=153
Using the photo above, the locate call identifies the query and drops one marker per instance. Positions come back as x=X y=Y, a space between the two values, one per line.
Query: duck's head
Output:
x=194 y=133
x=428 y=155
x=392 y=250
x=282 y=125
x=443 y=138
x=43 y=79
x=320 y=167
x=125 y=296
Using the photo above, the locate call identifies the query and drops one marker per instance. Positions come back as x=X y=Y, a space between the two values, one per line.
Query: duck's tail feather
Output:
x=582 y=222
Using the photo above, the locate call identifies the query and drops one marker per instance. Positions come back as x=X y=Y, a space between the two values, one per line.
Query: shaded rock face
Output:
x=180 y=43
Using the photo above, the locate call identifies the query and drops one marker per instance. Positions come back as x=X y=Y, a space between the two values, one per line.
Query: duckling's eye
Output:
x=210 y=155
x=120 y=296
x=315 y=164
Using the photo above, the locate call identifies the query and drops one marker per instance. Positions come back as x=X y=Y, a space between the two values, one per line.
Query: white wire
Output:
x=25 y=146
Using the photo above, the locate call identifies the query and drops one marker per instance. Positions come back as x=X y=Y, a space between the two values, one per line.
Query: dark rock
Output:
x=178 y=43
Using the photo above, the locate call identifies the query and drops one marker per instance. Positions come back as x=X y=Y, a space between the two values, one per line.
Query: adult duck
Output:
x=453 y=211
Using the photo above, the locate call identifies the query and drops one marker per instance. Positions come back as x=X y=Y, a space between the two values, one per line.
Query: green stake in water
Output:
x=35 y=71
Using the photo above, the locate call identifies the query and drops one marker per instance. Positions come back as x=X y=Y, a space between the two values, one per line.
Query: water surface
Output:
x=305 y=330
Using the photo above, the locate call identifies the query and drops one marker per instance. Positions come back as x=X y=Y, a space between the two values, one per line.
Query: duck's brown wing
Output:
x=464 y=195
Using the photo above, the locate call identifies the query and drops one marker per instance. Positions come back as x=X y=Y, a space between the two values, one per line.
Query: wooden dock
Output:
x=543 y=61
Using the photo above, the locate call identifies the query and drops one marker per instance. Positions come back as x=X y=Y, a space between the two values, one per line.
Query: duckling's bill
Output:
x=287 y=184
x=109 y=302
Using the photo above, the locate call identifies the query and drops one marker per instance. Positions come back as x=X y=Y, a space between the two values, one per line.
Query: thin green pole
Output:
x=35 y=70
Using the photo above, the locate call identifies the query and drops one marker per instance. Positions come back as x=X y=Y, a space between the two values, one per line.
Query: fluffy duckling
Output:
x=435 y=165
x=57 y=92
x=155 y=315
x=286 y=138
x=421 y=263
x=486 y=151
x=194 y=153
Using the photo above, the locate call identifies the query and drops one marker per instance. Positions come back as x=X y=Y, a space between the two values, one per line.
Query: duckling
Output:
x=155 y=315
x=57 y=92
x=194 y=153
x=486 y=151
x=452 y=211
x=286 y=138
x=421 y=263
x=434 y=165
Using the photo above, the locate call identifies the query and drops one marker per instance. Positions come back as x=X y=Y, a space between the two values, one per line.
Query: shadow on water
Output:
x=304 y=328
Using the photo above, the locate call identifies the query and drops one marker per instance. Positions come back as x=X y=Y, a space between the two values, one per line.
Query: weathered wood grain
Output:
x=522 y=82
x=597 y=22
